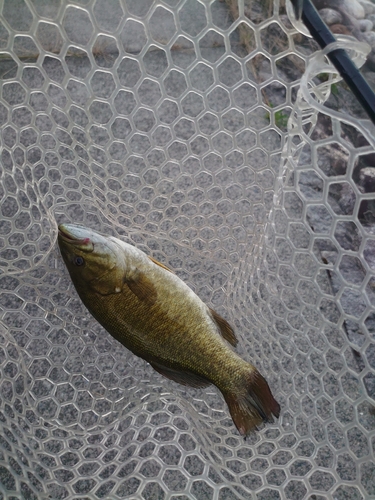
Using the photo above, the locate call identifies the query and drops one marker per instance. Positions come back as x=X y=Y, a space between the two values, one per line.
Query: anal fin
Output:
x=181 y=377
x=225 y=329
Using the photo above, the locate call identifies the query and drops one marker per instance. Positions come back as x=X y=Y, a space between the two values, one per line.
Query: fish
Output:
x=146 y=307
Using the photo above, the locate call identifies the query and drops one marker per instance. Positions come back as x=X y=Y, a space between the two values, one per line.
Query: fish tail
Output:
x=252 y=403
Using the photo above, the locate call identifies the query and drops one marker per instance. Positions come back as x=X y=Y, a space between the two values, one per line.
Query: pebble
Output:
x=340 y=29
x=368 y=7
x=286 y=21
x=353 y=8
x=351 y=17
x=365 y=24
x=369 y=37
x=330 y=16
x=367 y=179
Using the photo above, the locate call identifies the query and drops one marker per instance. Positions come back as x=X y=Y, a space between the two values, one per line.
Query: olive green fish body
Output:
x=158 y=317
x=150 y=330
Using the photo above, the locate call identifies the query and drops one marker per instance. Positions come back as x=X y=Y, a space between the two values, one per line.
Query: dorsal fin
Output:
x=160 y=264
x=143 y=288
x=224 y=327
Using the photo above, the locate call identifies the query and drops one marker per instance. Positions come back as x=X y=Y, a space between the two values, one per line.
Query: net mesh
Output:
x=165 y=123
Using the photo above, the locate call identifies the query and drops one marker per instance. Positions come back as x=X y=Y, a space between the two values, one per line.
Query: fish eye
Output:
x=78 y=260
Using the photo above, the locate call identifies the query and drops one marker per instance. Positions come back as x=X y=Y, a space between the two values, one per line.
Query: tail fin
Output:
x=252 y=404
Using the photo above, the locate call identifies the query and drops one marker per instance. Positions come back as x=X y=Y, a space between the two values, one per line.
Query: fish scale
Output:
x=147 y=332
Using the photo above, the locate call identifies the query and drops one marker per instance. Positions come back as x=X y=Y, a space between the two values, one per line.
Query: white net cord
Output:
x=183 y=127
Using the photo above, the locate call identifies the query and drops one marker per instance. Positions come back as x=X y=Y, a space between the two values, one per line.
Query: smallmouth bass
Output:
x=154 y=314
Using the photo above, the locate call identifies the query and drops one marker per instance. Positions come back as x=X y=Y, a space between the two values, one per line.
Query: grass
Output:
x=281 y=118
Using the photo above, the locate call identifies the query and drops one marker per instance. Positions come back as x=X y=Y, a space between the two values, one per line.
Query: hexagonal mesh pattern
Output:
x=163 y=122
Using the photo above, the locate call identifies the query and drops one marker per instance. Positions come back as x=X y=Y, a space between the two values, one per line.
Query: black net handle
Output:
x=305 y=10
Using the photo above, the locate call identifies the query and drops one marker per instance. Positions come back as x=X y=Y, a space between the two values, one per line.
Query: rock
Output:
x=342 y=198
x=326 y=4
x=340 y=29
x=366 y=184
x=365 y=24
x=369 y=249
x=369 y=37
x=370 y=78
x=330 y=16
x=352 y=301
x=367 y=179
x=353 y=8
x=368 y=7
x=286 y=21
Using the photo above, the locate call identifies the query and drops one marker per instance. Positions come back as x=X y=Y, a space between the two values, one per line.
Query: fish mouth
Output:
x=73 y=235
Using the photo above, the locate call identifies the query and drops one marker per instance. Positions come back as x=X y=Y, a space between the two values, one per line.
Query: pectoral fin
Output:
x=160 y=264
x=181 y=377
x=225 y=329
x=143 y=288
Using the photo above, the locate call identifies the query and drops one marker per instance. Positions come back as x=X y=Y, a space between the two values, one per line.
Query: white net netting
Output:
x=165 y=123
